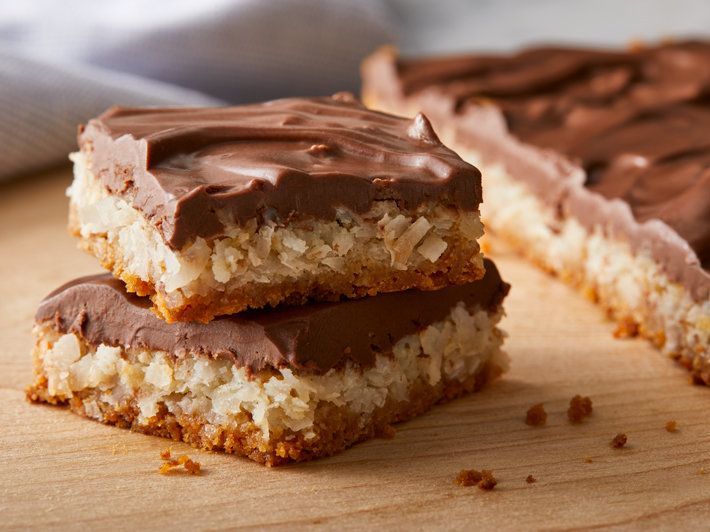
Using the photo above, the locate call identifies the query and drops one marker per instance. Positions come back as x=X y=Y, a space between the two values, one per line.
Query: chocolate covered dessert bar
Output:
x=596 y=165
x=275 y=385
x=215 y=210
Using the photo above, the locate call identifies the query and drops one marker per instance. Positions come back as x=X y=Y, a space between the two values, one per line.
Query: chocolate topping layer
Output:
x=637 y=122
x=189 y=170
x=313 y=338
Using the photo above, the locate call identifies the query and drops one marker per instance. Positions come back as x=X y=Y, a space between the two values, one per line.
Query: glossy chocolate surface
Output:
x=190 y=171
x=313 y=338
x=636 y=122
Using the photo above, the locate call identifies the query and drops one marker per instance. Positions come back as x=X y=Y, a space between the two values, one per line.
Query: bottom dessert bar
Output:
x=276 y=386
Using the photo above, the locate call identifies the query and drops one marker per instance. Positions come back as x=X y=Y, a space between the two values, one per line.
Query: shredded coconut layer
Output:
x=220 y=393
x=629 y=283
x=268 y=253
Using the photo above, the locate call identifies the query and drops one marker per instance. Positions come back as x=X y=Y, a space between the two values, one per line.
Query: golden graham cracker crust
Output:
x=336 y=428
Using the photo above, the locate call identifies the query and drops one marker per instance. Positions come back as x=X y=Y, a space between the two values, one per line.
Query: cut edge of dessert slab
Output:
x=620 y=274
x=627 y=283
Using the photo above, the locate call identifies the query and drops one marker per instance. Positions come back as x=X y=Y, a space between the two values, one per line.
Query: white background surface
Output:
x=62 y=63
x=457 y=25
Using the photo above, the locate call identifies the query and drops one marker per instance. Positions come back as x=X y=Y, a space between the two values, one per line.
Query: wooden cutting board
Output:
x=59 y=471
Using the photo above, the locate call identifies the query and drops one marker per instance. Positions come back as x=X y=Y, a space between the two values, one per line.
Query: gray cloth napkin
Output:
x=64 y=62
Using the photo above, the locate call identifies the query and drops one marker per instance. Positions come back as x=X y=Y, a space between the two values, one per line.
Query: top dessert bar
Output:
x=596 y=164
x=212 y=211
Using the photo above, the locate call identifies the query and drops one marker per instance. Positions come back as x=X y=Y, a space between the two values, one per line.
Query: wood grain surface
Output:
x=60 y=471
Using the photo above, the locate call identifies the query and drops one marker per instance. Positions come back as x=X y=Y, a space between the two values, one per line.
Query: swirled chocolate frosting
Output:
x=314 y=337
x=637 y=122
x=189 y=170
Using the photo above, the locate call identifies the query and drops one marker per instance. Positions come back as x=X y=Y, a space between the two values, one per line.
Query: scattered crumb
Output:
x=588 y=460
x=387 y=432
x=470 y=477
x=619 y=441
x=536 y=416
x=488 y=481
x=579 y=408
x=530 y=479
x=192 y=467
x=165 y=468
x=672 y=426
x=702 y=471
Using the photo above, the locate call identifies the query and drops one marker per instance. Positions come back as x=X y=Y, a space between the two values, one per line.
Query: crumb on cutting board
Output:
x=484 y=479
x=169 y=464
x=672 y=426
x=579 y=408
x=468 y=477
x=619 y=441
x=530 y=479
x=488 y=481
x=192 y=467
x=536 y=415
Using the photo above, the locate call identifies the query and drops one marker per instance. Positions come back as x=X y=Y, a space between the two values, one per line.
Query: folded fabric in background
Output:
x=63 y=62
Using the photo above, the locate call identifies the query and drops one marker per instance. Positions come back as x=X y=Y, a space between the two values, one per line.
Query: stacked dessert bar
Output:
x=596 y=165
x=289 y=278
